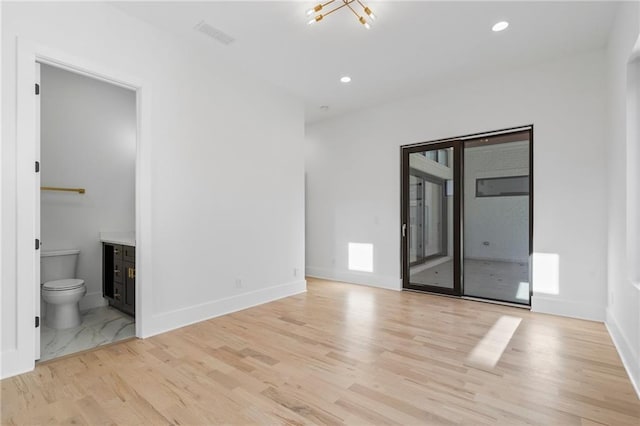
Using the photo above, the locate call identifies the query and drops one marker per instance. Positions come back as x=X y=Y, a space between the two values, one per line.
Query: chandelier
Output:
x=342 y=3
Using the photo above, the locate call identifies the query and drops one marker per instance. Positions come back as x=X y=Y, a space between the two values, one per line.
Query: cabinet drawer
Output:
x=128 y=253
x=118 y=270
x=118 y=293
x=117 y=252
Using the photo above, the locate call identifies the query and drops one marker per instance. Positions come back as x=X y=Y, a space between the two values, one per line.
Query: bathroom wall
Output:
x=88 y=140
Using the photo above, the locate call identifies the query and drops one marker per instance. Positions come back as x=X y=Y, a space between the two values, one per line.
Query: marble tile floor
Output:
x=99 y=326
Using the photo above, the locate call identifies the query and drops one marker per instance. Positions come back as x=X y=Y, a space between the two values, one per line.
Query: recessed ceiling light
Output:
x=345 y=79
x=500 y=26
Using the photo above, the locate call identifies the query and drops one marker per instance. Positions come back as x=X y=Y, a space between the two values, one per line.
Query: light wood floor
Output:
x=342 y=354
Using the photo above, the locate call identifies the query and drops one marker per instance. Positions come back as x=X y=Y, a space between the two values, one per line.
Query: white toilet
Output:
x=60 y=289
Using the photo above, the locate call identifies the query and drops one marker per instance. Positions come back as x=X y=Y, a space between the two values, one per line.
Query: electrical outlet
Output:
x=238 y=283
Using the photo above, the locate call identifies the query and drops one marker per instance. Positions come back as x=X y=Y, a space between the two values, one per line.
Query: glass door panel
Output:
x=429 y=211
x=496 y=219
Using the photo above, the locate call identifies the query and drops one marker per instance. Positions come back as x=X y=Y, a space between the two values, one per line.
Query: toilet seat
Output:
x=59 y=285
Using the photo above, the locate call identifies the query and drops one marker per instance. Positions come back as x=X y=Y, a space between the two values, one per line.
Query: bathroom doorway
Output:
x=27 y=254
x=87 y=129
x=467 y=212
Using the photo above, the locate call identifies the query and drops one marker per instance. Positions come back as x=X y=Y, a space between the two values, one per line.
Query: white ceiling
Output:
x=412 y=47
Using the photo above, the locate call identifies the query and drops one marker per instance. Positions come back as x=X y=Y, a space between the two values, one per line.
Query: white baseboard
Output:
x=363 y=278
x=567 y=308
x=12 y=364
x=630 y=359
x=92 y=300
x=182 y=317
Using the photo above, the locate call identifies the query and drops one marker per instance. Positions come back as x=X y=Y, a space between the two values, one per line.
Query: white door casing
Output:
x=37 y=216
x=20 y=357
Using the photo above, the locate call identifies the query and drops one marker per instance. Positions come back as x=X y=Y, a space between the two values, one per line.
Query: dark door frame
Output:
x=458 y=144
x=406 y=151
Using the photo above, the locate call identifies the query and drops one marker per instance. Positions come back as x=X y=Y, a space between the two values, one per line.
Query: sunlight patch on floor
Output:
x=489 y=350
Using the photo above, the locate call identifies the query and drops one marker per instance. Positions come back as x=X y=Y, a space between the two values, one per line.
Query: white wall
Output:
x=227 y=169
x=353 y=175
x=503 y=222
x=88 y=140
x=623 y=310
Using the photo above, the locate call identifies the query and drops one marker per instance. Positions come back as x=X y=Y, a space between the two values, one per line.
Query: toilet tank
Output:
x=58 y=264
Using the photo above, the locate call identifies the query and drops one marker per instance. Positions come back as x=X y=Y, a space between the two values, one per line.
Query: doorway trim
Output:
x=457 y=143
x=28 y=259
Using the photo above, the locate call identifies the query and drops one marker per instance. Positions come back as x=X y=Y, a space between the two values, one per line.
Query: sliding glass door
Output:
x=466 y=210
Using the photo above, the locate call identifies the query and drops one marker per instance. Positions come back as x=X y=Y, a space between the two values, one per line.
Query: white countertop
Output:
x=123 y=238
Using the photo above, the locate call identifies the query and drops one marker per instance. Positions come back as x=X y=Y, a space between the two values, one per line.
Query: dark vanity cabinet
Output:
x=119 y=276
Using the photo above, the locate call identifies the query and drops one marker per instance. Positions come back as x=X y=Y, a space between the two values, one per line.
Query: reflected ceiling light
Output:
x=345 y=79
x=500 y=26
x=341 y=3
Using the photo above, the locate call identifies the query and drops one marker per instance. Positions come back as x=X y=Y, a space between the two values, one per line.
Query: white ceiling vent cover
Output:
x=214 y=33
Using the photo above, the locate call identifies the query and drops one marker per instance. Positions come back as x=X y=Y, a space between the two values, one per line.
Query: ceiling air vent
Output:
x=214 y=33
